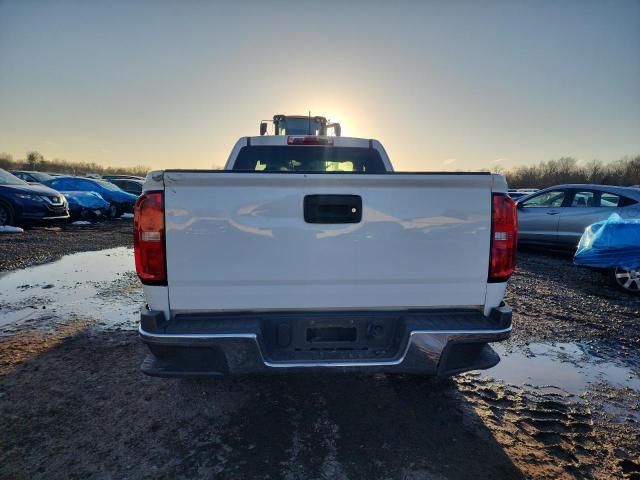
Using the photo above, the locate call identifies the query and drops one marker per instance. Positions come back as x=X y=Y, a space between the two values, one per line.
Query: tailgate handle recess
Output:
x=332 y=208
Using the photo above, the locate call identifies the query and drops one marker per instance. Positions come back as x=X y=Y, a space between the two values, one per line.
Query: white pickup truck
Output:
x=310 y=252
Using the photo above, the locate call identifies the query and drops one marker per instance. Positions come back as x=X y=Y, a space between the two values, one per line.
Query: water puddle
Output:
x=100 y=287
x=567 y=367
x=571 y=370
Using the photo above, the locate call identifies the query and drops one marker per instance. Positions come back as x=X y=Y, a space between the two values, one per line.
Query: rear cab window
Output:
x=292 y=159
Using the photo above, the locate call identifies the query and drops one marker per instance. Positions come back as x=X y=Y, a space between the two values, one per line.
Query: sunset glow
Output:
x=168 y=85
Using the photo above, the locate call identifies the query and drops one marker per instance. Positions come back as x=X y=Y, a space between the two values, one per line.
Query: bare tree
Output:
x=625 y=171
x=35 y=160
x=6 y=161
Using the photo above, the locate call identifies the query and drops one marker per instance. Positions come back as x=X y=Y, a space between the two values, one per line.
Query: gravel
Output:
x=554 y=300
x=44 y=244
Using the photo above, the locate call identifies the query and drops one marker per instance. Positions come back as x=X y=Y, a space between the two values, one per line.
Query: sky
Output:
x=459 y=85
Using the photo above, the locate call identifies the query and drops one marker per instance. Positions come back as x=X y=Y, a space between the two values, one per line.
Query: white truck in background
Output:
x=308 y=251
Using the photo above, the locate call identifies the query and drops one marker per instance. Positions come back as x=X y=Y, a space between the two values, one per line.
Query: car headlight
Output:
x=26 y=196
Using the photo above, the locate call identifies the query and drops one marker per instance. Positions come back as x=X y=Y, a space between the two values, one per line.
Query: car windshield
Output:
x=108 y=185
x=309 y=159
x=8 y=179
x=41 y=177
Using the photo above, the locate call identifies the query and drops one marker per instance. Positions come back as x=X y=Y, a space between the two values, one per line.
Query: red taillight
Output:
x=504 y=238
x=309 y=140
x=148 y=238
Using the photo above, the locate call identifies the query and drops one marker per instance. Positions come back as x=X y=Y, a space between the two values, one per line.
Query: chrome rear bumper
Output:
x=429 y=342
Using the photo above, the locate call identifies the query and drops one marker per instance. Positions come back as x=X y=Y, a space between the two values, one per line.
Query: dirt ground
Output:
x=44 y=244
x=73 y=403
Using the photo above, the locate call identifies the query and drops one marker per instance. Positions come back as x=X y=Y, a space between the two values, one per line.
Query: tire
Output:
x=626 y=280
x=7 y=216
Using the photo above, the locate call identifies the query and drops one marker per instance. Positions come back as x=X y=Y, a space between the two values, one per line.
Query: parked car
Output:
x=613 y=247
x=111 y=177
x=129 y=185
x=86 y=205
x=21 y=202
x=559 y=215
x=31 y=176
x=119 y=201
x=285 y=263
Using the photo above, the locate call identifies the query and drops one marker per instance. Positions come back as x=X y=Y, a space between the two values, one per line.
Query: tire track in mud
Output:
x=550 y=434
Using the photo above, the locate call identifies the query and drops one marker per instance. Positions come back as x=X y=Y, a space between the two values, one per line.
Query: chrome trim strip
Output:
x=202 y=336
x=414 y=334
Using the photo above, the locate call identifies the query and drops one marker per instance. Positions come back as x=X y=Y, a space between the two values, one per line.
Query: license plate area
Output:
x=350 y=337
x=331 y=334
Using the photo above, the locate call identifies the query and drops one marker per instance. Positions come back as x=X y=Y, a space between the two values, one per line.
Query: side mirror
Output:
x=263 y=128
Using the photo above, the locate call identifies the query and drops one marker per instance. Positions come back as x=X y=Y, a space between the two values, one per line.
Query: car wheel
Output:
x=627 y=280
x=6 y=214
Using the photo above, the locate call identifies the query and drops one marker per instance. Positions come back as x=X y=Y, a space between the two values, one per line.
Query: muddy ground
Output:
x=563 y=403
x=44 y=244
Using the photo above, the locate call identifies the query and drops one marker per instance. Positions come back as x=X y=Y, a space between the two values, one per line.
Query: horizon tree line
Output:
x=625 y=171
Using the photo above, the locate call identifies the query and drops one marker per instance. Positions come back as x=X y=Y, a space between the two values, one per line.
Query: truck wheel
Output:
x=626 y=280
x=6 y=214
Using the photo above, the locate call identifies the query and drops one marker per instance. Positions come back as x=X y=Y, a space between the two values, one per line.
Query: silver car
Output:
x=558 y=215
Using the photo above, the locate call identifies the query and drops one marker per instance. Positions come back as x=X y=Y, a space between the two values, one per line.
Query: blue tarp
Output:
x=610 y=244
x=89 y=200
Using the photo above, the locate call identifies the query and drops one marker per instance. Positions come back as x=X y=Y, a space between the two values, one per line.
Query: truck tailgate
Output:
x=239 y=241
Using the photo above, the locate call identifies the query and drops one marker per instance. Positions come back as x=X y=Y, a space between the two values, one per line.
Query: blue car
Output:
x=119 y=201
x=86 y=205
x=23 y=203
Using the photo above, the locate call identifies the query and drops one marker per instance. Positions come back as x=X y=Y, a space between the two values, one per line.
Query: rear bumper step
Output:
x=442 y=342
